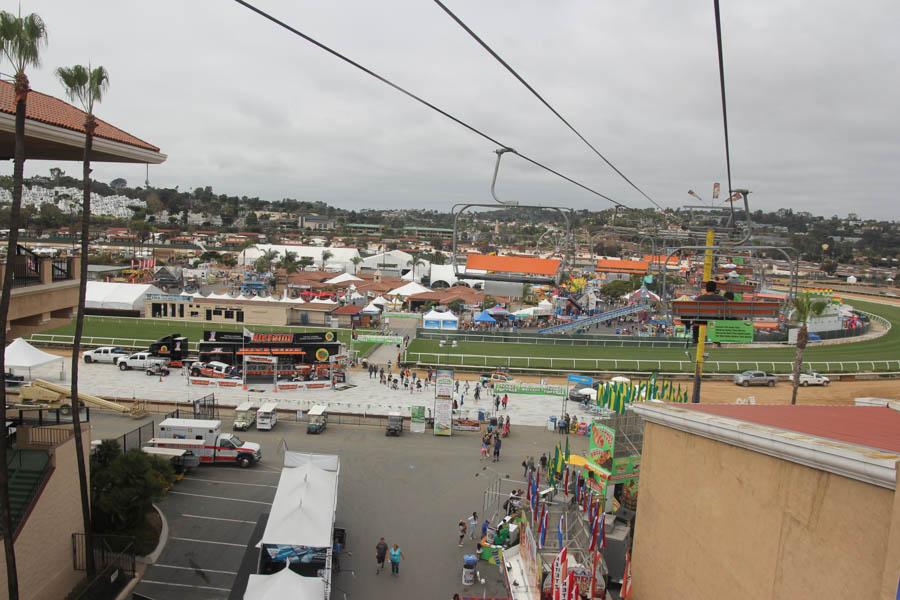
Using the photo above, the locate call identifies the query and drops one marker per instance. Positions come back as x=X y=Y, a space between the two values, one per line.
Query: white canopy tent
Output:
x=284 y=584
x=305 y=502
x=372 y=309
x=105 y=295
x=440 y=320
x=379 y=300
x=22 y=355
x=342 y=278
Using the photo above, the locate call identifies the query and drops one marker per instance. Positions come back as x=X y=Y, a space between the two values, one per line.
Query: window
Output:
x=194 y=313
x=217 y=312
x=229 y=314
x=208 y=315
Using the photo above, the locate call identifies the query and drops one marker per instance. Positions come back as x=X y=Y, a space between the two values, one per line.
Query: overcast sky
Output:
x=250 y=109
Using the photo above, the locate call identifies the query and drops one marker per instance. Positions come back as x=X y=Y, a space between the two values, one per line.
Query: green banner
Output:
x=517 y=387
x=417 y=419
x=736 y=332
x=378 y=339
x=625 y=469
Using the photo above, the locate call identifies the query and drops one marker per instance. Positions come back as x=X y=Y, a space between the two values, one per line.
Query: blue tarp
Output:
x=484 y=317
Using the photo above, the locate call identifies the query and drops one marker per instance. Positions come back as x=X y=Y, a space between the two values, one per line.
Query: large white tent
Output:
x=305 y=502
x=342 y=278
x=284 y=584
x=22 y=355
x=340 y=257
x=106 y=295
x=410 y=289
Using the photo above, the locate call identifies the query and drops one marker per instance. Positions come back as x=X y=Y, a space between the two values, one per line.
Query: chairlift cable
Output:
x=724 y=109
x=474 y=130
x=539 y=97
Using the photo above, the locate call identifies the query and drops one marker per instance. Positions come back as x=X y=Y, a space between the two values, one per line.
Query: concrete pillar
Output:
x=45 y=317
x=74 y=267
x=46 y=267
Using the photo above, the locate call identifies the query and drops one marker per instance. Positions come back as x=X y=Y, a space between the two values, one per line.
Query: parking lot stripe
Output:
x=219 y=498
x=184 y=585
x=208 y=542
x=194 y=569
x=227 y=482
x=270 y=468
x=219 y=519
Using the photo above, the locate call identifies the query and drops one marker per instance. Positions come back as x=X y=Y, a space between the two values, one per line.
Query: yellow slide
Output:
x=44 y=391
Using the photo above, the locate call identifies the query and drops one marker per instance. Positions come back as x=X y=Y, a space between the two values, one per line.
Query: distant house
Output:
x=316 y=222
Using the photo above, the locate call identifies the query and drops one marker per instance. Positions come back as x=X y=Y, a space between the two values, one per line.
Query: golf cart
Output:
x=158 y=369
x=318 y=419
x=394 y=424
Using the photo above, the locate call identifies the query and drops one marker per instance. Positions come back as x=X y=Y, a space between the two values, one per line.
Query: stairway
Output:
x=613 y=314
x=26 y=472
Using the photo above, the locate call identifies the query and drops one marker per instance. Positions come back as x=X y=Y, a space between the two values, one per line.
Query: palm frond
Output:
x=22 y=39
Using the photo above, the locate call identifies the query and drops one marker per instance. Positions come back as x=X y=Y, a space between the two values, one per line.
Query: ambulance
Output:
x=217 y=447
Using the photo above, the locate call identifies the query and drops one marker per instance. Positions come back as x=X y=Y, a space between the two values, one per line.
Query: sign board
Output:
x=417 y=419
x=581 y=379
x=518 y=387
x=378 y=339
x=736 y=332
x=625 y=469
x=269 y=338
x=443 y=416
x=600 y=456
x=443 y=383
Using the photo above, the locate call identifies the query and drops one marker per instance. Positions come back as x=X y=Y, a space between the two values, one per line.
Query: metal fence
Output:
x=620 y=341
x=206 y=408
x=136 y=438
x=587 y=365
x=115 y=563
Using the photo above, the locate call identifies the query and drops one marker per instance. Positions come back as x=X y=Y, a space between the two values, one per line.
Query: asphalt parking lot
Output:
x=412 y=490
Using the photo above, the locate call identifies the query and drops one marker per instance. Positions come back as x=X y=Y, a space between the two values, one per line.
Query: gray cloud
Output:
x=243 y=106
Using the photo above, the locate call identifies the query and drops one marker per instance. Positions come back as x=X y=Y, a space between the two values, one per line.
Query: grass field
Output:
x=152 y=329
x=887 y=347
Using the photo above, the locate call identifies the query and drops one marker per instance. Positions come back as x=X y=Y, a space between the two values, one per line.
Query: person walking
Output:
x=497 y=448
x=505 y=400
x=473 y=523
x=496 y=403
x=530 y=458
x=396 y=555
x=462 y=532
x=381 y=549
x=544 y=462
x=525 y=466
x=484 y=528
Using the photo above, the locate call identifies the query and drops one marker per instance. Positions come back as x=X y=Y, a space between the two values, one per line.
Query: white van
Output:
x=244 y=416
x=267 y=416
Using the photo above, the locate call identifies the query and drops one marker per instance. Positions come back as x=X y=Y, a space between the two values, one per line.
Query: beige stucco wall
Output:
x=890 y=586
x=717 y=521
x=44 y=545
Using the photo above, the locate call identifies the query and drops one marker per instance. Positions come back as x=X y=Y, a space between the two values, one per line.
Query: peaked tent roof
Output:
x=118 y=296
x=284 y=584
x=410 y=289
x=22 y=355
x=484 y=317
x=305 y=502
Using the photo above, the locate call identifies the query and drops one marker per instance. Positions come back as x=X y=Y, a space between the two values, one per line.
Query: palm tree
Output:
x=804 y=308
x=264 y=262
x=87 y=86
x=437 y=258
x=326 y=254
x=416 y=261
x=21 y=40
x=306 y=261
x=356 y=260
x=289 y=263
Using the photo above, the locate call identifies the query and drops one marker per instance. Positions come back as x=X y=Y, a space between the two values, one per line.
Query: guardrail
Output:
x=88 y=342
x=585 y=365
x=552 y=340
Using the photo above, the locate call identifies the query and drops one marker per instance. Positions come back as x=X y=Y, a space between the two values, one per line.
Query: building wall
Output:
x=890 y=587
x=717 y=521
x=44 y=545
x=255 y=313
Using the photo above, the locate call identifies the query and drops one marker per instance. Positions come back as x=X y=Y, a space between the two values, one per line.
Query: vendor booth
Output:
x=440 y=320
x=284 y=584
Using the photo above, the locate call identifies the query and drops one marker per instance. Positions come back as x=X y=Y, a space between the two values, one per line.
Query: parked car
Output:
x=811 y=378
x=496 y=377
x=583 y=393
x=213 y=368
x=140 y=360
x=106 y=354
x=159 y=369
x=755 y=378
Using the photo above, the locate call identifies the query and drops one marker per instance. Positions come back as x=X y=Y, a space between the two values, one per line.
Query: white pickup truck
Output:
x=811 y=378
x=140 y=360
x=106 y=354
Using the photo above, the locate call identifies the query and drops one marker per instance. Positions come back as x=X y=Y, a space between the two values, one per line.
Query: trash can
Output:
x=470 y=561
x=481 y=415
x=551 y=423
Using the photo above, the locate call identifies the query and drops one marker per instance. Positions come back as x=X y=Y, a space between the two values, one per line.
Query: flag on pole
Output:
x=577 y=481
x=573 y=592
x=566 y=484
x=248 y=333
x=567 y=450
x=559 y=531
x=544 y=528
x=716 y=191
x=595 y=562
x=528 y=487
x=556 y=569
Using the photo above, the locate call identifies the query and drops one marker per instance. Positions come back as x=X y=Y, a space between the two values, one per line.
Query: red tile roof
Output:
x=349 y=309
x=512 y=264
x=607 y=265
x=870 y=426
x=54 y=111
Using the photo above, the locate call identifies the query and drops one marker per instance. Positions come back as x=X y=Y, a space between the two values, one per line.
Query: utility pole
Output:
x=701 y=329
